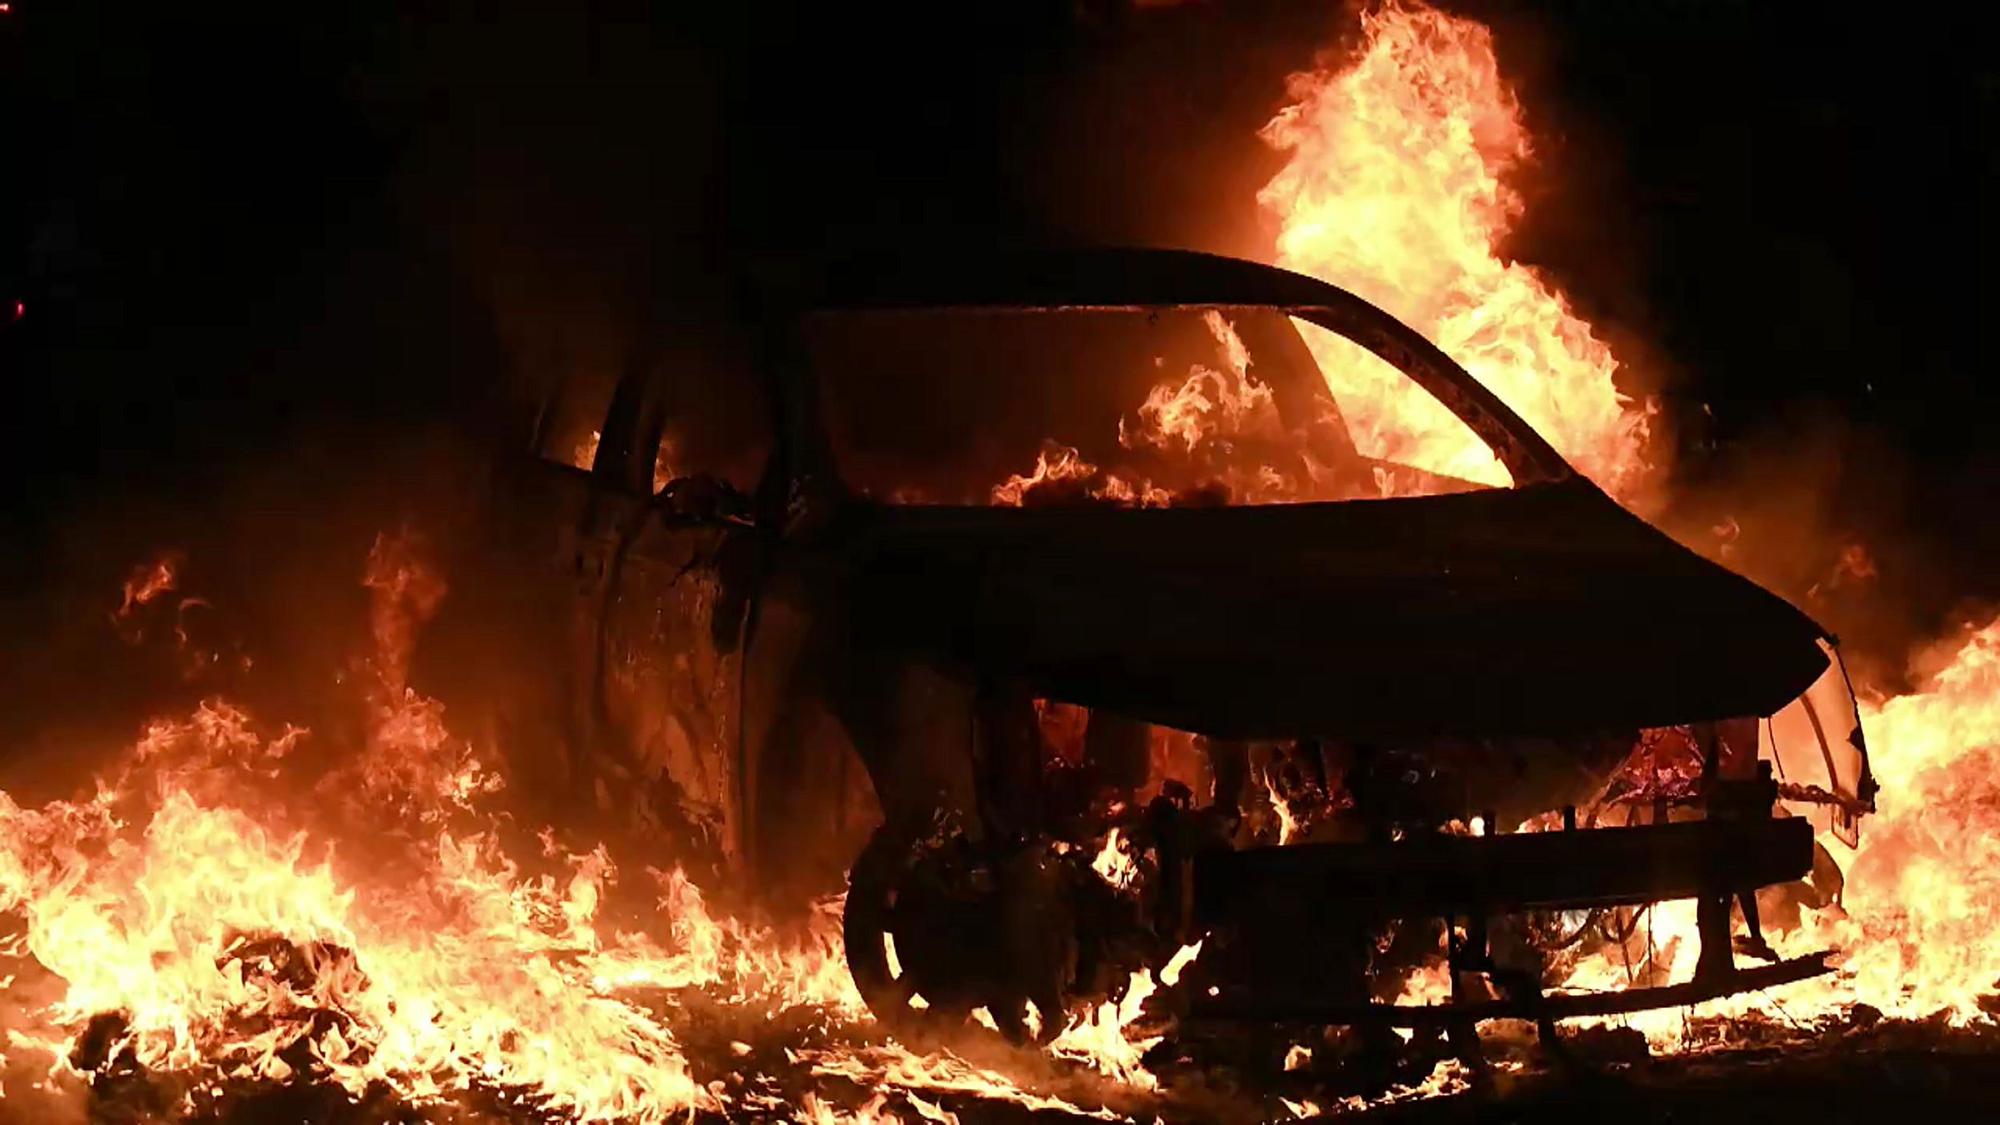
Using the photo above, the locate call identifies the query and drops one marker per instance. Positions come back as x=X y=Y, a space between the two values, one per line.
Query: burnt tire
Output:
x=868 y=920
x=974 y=929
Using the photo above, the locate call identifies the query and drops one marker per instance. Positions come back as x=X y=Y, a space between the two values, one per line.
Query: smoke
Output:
x=1817 y=508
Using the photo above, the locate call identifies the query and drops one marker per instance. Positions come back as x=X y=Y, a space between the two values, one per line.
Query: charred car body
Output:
x=1289 y=710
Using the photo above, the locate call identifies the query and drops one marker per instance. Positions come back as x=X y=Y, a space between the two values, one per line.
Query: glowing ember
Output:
x=1430 y=984
x=1114 y=863
x=584 y=456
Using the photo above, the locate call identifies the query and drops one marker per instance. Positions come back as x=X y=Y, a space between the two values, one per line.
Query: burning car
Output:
x=1241 y=666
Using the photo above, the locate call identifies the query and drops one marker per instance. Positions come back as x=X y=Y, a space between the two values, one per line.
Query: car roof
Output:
x=1106 y=278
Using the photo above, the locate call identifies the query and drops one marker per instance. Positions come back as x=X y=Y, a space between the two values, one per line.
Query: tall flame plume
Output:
x=1396 y=188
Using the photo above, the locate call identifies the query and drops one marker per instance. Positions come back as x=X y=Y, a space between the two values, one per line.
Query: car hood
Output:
x=1542 y=610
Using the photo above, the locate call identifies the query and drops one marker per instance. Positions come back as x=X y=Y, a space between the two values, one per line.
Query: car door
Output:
x=658 y=543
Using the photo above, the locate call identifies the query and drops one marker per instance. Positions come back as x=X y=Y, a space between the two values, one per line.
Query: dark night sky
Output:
x=242 y=230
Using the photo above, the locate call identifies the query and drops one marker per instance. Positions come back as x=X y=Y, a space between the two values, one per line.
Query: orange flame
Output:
x=584 y=456
x=1054 y=463
x=1208 y=402
x=187 y=922
x=1061 y=470
x=1395 y=188
x=228 y=946
x=1923 y=890
x=1114 y=863
x=1917 y=927
x=1197 y=421
x=1108 y=1038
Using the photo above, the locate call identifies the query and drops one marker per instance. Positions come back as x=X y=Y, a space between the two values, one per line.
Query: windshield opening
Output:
x=1144 y=408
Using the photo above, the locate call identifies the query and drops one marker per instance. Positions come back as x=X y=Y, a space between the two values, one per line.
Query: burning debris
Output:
x=190 y=942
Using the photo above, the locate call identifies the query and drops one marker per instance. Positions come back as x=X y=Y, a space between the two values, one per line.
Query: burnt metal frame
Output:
x=1557 y=870
x=1553 y=1006
x=1725 y=856
x=802 y=475
x=801 y=464
x=1110 y=281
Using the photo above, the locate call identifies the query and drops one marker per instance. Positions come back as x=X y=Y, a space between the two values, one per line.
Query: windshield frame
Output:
x=1111 y=281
